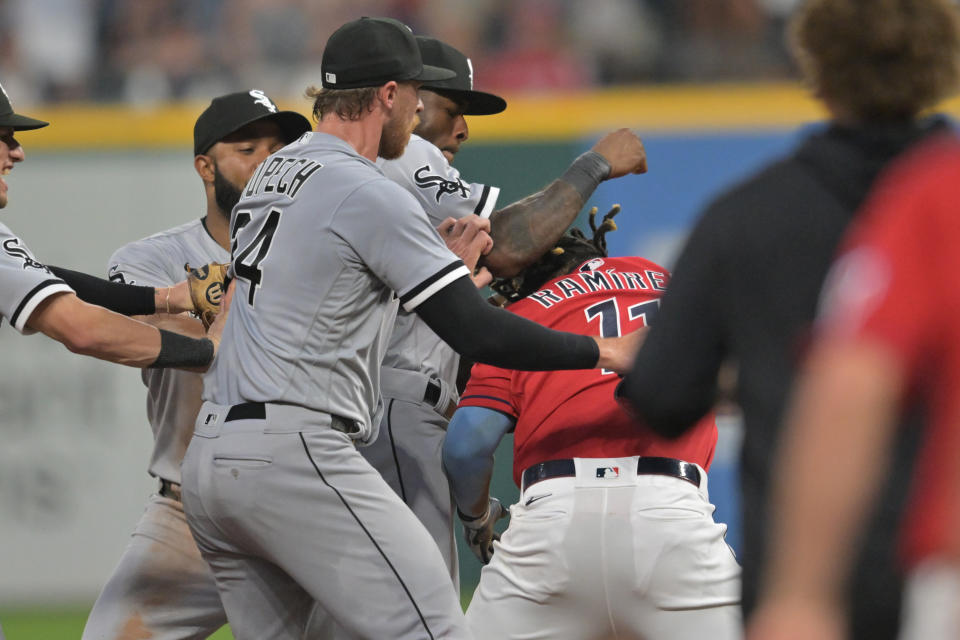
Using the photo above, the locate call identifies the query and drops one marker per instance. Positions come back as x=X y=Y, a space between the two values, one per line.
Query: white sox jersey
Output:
x=24 y=282
x=309 y=322
x=174 y=397
x=424 y=171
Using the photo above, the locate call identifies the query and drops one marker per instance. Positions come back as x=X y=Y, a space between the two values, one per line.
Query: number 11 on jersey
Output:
x=608 y=311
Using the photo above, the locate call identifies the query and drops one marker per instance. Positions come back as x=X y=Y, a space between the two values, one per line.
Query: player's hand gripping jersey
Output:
x=424 y=172
x=566 y=414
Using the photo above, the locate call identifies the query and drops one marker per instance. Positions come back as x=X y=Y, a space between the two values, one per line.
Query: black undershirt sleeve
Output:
x=128 y=299
x=481 y=332
x=673 y=383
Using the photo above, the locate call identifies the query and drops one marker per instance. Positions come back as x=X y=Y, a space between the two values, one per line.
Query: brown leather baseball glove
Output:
x=207 y=286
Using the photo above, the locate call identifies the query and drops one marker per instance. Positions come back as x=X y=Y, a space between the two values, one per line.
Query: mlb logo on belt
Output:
x=608 y=472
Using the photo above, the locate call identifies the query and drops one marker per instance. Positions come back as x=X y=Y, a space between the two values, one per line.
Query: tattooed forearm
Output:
x=526 y=229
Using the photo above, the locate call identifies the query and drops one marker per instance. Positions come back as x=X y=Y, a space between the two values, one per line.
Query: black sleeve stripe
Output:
x=27 y=298
x=413 y=293
x=483 y=200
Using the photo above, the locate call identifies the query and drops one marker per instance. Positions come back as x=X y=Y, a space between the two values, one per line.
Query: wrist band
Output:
x=586 y=172
x=472 y=519
x=181 y=351
x=168 y=299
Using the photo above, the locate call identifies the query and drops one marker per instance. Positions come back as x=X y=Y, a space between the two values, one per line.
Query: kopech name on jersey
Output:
x=282 y=175
x=588 y=280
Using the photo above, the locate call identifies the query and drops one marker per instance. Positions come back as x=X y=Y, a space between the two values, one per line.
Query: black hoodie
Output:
x=745 y=290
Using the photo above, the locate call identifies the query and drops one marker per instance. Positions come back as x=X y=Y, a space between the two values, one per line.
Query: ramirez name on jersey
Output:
x=590 y=278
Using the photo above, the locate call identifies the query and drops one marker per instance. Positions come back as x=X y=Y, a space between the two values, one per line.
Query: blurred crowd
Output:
x=143 y=51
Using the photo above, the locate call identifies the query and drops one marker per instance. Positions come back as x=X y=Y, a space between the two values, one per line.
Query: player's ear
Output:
x=204 y=166
x=388 y=93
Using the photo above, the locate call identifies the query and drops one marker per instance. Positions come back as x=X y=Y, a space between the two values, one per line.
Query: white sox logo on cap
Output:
x=259 y=97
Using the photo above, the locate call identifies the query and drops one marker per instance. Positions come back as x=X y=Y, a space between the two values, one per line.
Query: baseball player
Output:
x=161 y=587
x=33 y=298
x=419 y=375
x=887 y=339
x=614 y=534
x=282 y=505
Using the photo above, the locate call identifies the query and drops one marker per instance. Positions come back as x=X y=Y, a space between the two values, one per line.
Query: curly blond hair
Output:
x=878 y=60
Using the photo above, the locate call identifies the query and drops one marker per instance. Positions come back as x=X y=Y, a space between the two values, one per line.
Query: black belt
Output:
x=432 y=396
x=646 y=466
x=247 y=411
x=170 y=490
x=258 y=411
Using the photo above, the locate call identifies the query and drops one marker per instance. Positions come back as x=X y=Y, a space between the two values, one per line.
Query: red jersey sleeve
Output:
x=491 y=387
x=885 y=285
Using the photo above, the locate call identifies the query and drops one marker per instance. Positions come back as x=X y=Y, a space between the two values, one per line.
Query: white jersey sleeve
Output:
x=401 y=248
x=424 y=172
x=24 y=282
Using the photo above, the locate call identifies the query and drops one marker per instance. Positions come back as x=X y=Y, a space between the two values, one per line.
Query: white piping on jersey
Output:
x=490 y=203
x=415 y=301
x=38 y=296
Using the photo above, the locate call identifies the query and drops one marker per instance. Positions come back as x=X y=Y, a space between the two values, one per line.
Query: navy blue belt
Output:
x=646 y=466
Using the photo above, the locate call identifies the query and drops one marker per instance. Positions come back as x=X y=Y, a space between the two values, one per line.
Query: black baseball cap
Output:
x=370 y=52
x=228 y=113
x=438 y=53
x=14 y=120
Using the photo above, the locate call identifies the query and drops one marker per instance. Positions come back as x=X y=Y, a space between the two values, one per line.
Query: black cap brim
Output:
x=432 y=74
x=292 y=125
x=21 y=123
x=478 y=103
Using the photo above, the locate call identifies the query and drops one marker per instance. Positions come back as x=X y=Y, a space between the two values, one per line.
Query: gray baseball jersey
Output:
x=174 y=397
x=161 y=580
x=424 y=171
x=24 y=282
x=316 y=336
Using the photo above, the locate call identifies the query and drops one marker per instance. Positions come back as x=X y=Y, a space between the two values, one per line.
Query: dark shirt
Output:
x=745 y=291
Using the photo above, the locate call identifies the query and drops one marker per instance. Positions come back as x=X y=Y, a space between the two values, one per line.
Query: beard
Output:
x=395 y=136
x=226 y=194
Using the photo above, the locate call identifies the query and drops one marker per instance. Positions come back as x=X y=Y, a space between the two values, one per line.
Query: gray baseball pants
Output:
x=287 y=513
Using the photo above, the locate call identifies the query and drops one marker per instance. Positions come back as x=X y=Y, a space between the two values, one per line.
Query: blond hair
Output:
x=349 y=104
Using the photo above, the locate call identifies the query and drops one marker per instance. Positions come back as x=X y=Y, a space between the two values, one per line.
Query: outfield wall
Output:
x=75 y=441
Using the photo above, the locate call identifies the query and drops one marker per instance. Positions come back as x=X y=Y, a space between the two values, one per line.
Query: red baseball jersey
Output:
x=567 y=414
x=898 y=283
